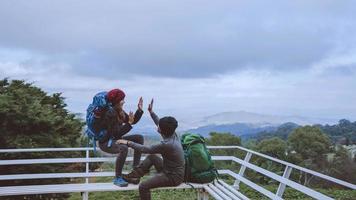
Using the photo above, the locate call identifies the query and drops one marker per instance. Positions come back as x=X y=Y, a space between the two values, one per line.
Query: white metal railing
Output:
x=283 y=180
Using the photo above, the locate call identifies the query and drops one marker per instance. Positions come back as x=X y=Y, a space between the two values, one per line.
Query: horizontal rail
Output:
x=320 y=175
x=45 y=150
x=78 y=160
x=91 y=160
x=55 y=161
x=56 y=175
x=297 y=186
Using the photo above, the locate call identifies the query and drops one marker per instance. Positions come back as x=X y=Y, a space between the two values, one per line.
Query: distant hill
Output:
x=344 y=132
x=236 y=129
x=249 y=125
x=259 y=119
x=281 y=131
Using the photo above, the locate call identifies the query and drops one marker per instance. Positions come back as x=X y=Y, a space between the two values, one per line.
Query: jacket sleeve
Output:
x=155 y=118
x=158 y=148
x=138 y=115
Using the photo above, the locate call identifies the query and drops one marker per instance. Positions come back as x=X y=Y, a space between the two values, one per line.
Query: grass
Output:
x=186 y=194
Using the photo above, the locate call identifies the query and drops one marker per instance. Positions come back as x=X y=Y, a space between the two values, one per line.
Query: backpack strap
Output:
x=187 y=172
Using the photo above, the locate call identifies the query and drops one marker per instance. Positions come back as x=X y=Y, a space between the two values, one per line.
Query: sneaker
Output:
x=120 y=182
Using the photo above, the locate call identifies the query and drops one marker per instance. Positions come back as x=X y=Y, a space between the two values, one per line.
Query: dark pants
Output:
x=121 y=151
x=159 y=180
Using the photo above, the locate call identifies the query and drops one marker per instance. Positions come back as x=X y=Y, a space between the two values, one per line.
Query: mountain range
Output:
x=246 y=123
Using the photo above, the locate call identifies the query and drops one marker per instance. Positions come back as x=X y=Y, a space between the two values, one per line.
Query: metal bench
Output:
x=218 y=189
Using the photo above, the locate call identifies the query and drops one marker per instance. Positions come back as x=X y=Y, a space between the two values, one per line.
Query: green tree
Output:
x=342 y=166
x=308 y=147
x=274 y=147
x=30 y=118
x=225 y=139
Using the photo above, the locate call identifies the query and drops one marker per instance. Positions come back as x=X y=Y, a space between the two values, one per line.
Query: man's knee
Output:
x=144 y=186
x=140 y=139
x=152 y=157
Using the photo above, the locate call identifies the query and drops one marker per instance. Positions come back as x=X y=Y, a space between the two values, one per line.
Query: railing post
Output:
x=199 y=195
x=282 y=186
x=202 y=195
x=242 y=170
x=87 y=156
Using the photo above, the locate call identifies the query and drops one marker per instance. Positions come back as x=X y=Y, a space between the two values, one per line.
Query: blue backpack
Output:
x=94 y=112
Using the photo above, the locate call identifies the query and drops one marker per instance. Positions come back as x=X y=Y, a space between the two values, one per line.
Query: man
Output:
x=170 y=167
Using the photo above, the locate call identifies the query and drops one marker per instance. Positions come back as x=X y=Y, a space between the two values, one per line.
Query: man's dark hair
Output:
x=168 y=125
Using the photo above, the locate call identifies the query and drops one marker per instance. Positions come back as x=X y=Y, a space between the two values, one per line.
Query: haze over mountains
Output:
x=239 y=123
x=260 y=119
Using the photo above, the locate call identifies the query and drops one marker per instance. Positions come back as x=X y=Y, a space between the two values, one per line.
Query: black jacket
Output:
x=115 y=129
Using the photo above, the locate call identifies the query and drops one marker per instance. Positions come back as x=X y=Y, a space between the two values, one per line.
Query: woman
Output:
x=118 y=123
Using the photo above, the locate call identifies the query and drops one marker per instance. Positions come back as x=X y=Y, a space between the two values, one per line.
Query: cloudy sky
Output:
x=196 y=58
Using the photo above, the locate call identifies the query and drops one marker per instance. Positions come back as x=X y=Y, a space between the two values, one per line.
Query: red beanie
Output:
x=115 y=96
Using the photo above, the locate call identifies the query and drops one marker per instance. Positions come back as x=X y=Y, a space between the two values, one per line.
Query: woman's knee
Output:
x=123 y=149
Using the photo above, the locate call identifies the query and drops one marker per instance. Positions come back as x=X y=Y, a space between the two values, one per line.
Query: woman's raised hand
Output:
x=140 y=103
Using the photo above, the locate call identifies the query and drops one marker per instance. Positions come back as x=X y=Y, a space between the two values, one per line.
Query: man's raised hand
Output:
x=150 y=106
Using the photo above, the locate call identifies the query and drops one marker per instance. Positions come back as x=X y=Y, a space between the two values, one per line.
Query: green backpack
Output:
x=199 y=168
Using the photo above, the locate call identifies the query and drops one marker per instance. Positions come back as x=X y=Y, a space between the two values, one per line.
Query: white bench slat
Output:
x=219 y=192
x=233 y=190
x=225 y=190
x=212 y=193
x=68 y=188
x=253 y=185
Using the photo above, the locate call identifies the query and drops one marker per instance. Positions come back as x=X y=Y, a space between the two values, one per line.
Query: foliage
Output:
x=225 y=139
x=282 y=132
x=342 y=166
x=310 y=144
x=274 y=147
x=344 y=132
x=30 y=118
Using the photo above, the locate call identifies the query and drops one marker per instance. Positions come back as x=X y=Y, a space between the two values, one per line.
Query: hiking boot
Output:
x=119 y=181
x=134 y=176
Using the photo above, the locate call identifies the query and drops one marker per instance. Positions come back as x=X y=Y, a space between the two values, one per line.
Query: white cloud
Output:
x=291 y=58
x=342 y=61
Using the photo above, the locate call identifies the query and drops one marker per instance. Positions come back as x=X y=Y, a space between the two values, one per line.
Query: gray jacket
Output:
x=171 y=150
